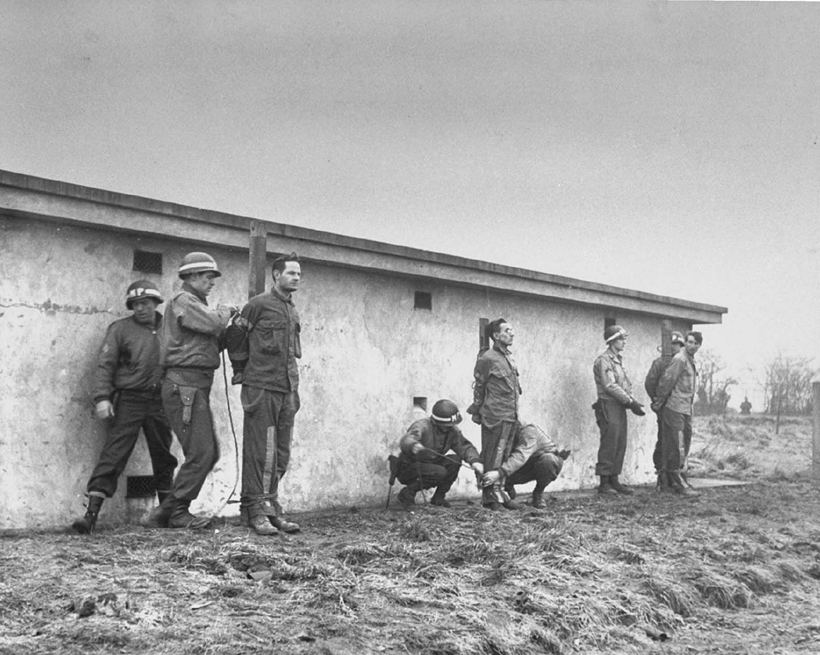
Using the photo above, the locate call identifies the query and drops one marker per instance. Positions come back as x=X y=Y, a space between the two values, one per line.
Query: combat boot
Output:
x=681 y=488
x=538 y=500
x=407 y=496
x=439 y=500
x=617 y=486
x=261 y=525
x=509 y=487
x=285 y=526
x=161 y=514
x=605 y=488
x=181 y=517
x=87 y=523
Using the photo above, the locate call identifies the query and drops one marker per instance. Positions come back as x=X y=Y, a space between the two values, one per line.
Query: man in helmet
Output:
x=614 y=398
x=127 y=398
x=495 y=406
x=651 y=386
x=423 y=462
x=189 y=355
x=264 y=344
x=676 y=395
x=534 y=457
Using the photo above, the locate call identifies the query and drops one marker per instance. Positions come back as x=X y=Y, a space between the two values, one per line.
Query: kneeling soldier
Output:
x=534 y=456
x=423 y=464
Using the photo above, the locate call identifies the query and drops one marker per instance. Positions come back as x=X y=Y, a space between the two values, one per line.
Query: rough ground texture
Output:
x=736 y=570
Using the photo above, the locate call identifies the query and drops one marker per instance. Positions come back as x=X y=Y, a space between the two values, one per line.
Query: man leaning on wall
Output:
x=127 y=397
x=264 y=343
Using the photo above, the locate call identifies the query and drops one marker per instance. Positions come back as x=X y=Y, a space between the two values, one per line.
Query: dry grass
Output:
x=735 y=571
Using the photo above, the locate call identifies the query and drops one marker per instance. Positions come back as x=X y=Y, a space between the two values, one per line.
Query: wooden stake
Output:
x=258 y=251
x=815 y=450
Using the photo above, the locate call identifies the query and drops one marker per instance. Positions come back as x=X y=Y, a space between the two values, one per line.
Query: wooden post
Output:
x=815 y=450
x=258 y=251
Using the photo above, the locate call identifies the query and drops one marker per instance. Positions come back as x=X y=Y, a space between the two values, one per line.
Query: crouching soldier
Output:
x=422 y=463
x=534 y=456
x=127 y=397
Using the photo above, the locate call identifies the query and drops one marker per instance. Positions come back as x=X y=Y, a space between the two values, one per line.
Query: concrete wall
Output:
x=367 y=354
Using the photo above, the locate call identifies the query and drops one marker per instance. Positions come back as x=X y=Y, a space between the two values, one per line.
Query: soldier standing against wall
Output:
x=264 y=344
x=495 y=406
x=127 y=396
x=614 y=398
x=189 y=356
x=651 y=386
x=676 y=395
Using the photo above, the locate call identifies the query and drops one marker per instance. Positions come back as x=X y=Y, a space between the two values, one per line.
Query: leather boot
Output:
x=680 y=487
x=407 y=496
x=538 y=500
x=509 y=487
x=260 y=523
x=605 y=488
x=161 y=514
x=439 y=500
x=182 y=518
x=617 y=486
x=87 y=523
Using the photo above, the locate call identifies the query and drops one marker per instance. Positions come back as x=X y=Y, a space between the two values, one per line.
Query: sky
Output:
x=669 y=147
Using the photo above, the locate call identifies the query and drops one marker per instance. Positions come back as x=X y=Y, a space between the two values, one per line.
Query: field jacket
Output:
x=190 y=333
x=266 y=342
x=611 y=380
x=529 y=440
x=424 y=432
x=496 y=387
x=677 y=386
x=128 y=359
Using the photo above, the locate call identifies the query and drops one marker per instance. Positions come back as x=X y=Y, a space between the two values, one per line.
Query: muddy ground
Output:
x=736 y=570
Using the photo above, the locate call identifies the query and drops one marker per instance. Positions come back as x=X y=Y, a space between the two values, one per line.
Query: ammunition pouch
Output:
x=187 y=396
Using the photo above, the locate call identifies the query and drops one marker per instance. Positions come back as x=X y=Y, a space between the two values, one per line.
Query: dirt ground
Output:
x=736 y=570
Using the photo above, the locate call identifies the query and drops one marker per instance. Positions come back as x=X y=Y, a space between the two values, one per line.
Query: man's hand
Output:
x=656 y=407
x=478 y=467
x=636 y=408
x=490 y=478
x=238 y=377
x=104 y=409
x=563 y=454
x=416 y=448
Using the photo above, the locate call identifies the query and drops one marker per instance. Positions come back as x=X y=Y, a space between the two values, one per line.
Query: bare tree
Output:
x=713 y=386
x=787 y=386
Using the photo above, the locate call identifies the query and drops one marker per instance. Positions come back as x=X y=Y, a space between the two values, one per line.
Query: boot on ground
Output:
x=620 y=488
x=439 y=500
x=605 y=488
x=88 y=522
x=407 y=496
x=181 y=518
x=161 y=514
x=538 y=501
x=509 y=487
x=285 y=526
x=261 y=525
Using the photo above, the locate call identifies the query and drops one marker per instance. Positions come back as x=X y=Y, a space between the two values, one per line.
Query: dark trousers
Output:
x=134 y=411
x=189 y=413
x=676 y=439
x=496 y=444
x=440 y=474
x=611 y=418
x=656 y=454
x=266 y=439
x=541 y=467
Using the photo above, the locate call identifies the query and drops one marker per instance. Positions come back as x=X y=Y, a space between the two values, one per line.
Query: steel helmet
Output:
x=614 y=332
x=445 y=412
x=197 y=262
x=141 y=289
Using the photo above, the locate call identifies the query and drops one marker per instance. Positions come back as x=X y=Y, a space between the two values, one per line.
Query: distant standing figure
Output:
x=676 y=396
x=534 y=456
x=746 y=407
x=651 y=386
x=496 y=390
x=264 y=344
x=614 y=398
x=127 y=397
x=189 y=356
x=424 y=463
